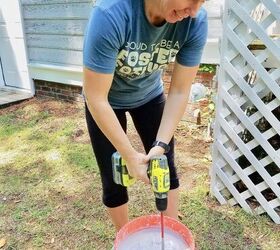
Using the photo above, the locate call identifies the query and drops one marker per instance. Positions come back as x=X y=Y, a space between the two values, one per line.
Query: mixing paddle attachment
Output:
x=162 y=230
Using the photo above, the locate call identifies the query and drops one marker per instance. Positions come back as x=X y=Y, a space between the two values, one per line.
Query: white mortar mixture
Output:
x=150 y=238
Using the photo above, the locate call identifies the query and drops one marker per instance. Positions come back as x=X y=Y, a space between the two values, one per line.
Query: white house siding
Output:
x=13 y=70
x=54 y=32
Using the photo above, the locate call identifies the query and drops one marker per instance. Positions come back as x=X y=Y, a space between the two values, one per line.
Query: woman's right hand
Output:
x=137 y=165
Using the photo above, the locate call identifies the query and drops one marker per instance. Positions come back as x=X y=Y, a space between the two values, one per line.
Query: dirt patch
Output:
x=54 y=107
x=80 y=134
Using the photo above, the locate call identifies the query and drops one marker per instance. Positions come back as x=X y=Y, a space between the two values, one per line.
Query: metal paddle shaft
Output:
x=162 y=230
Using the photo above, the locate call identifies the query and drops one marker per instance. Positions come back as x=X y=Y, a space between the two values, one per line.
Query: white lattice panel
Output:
x=246 y=155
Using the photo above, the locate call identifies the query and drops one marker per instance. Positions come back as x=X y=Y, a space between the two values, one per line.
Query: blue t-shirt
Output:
x=120 y=40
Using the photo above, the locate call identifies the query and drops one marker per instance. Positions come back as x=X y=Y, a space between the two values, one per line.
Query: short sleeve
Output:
x=191 y=52
x=101 y=42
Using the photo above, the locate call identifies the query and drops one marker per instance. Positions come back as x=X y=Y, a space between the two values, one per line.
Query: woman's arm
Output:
x=176 y=103
x=96 y=88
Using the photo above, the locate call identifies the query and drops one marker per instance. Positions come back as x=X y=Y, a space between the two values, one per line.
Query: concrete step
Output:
x=12 y=95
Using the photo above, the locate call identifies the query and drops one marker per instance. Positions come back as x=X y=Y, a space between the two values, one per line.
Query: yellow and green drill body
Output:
x=158 y=173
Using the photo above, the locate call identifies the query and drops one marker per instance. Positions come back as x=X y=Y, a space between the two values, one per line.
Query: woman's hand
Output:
x=137 y=165
x=155 y=151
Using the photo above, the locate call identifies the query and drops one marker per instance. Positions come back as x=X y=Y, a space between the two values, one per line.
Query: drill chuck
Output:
x=161 y=204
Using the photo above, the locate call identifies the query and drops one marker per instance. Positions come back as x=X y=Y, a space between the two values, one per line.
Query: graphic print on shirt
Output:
x=139 y=59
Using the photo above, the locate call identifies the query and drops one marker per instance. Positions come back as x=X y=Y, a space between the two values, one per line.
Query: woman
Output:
x=127 y=44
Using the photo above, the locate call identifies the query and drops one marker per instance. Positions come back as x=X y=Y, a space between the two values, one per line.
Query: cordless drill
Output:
x=158 y=173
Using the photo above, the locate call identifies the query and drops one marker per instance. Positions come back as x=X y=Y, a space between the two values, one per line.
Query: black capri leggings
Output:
x=146 y=119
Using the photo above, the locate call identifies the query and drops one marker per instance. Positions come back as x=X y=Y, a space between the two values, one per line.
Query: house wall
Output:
x=54 y=30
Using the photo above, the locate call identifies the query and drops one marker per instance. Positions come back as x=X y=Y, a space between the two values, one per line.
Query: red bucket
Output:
x=153 y=221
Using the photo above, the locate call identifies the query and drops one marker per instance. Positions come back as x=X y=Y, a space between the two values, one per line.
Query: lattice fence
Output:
x=246 y=155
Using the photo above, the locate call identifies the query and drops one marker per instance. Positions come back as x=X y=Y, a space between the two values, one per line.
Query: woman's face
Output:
x=177 y=10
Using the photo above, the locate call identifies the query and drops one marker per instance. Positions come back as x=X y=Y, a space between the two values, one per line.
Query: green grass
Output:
x=224 y=227
x=50 y=190
x=80 y=156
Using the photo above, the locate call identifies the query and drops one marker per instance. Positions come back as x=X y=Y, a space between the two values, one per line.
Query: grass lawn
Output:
x=50 y=190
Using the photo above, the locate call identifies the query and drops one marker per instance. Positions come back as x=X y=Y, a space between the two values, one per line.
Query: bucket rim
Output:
x=147 y=221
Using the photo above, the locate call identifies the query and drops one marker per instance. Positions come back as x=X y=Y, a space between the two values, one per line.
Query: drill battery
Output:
x=120 y=172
